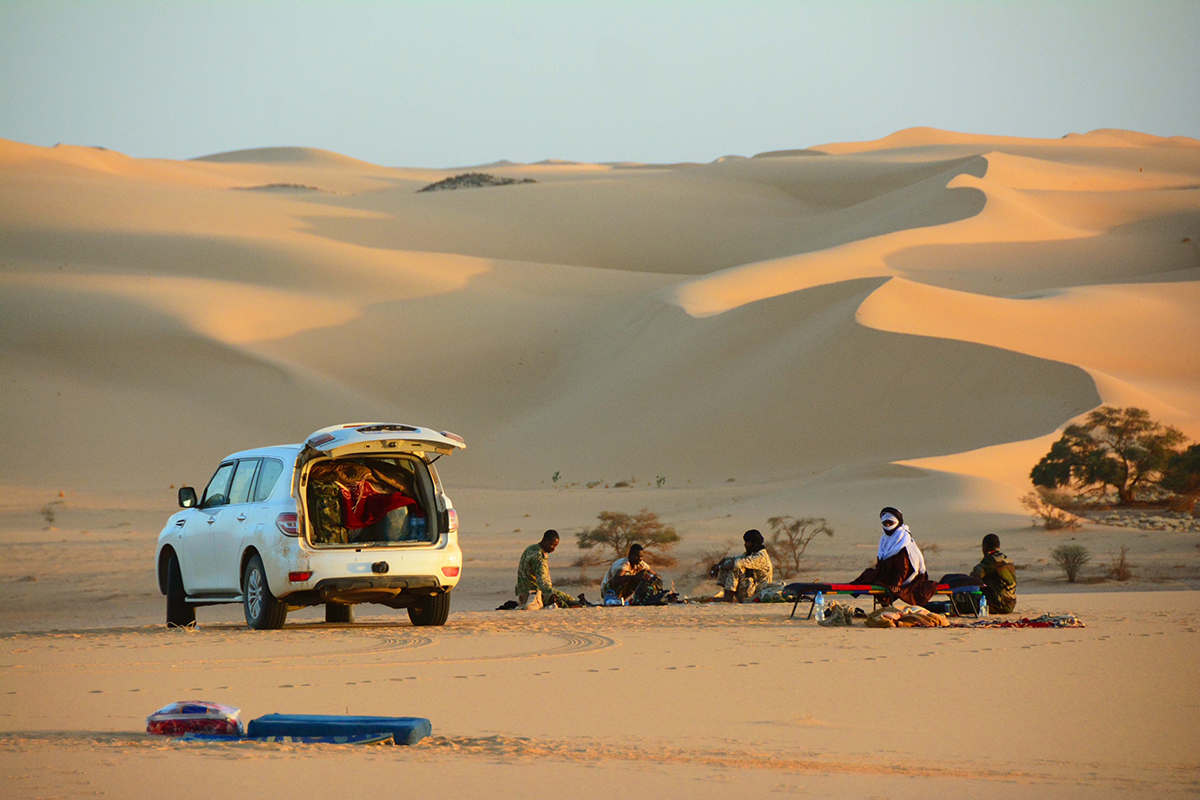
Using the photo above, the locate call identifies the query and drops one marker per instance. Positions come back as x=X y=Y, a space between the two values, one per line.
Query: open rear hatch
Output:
x=369 y=484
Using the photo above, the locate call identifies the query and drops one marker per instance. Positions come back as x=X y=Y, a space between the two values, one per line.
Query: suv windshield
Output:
x=217 y=493
x=372 y=501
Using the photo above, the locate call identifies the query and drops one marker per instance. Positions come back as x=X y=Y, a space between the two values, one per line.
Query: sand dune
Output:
x=560 y=302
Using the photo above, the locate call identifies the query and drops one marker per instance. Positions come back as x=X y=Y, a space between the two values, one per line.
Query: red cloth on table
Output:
x=364 y=506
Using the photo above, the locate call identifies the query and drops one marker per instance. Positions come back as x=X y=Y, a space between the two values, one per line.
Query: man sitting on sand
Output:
x=742 y=576
x=999 y=576
x=631 y=578
x=533 y=574
x=899 y=564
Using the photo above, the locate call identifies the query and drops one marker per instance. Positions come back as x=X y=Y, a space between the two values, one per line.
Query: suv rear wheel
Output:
x=263 y=610
x=339 y=612
x=430 y=610
x=180 y=613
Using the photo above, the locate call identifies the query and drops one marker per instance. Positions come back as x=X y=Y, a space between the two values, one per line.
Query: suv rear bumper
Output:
x=398 y=591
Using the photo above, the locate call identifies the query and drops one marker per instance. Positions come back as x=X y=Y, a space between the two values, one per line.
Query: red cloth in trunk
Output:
x=364 y=506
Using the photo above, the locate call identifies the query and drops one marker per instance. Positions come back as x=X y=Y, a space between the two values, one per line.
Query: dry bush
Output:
x=658 y=560
x=929 y=547
x=790 y=537
x=618 y=531
x=1070 y=559
x=1120 y=569
x=1046 y=505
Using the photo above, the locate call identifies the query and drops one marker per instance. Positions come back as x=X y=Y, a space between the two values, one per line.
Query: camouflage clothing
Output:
x=744 y=575
x=533 y=573
x=999 y=576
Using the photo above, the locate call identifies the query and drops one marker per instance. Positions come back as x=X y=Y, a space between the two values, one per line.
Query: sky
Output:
x=456 y=83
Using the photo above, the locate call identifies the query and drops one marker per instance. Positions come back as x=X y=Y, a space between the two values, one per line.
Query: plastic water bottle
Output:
x=983 y=605
x=819 y=607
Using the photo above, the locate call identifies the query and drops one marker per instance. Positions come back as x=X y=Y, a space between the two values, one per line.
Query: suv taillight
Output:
x=288 y=523
x=452 y=521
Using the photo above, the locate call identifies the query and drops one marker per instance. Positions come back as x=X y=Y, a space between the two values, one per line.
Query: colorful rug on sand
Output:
x=1044 y=621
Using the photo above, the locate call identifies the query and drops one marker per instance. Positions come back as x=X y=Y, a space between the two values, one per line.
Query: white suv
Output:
x=356 y=514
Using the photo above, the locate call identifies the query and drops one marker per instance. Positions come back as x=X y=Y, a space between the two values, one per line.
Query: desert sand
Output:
x=817 y=332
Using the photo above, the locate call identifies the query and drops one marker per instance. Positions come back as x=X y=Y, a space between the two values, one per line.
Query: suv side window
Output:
x=272 y=468
x=243 y=479
x=217 y=493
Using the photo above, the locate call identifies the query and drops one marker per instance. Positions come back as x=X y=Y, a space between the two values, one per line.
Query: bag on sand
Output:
x=837 y=614
x=196 y=716
x=902 y=615
x=533 y=602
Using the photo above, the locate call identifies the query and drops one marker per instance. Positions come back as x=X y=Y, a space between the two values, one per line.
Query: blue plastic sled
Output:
x=404 y=730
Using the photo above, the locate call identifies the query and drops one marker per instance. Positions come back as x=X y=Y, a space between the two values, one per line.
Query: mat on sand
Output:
x=356 y=738
x=405 y=730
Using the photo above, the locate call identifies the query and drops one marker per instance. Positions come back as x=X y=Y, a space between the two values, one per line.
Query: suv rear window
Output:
x=371 y=501
x=243 y=479
x=268 y=475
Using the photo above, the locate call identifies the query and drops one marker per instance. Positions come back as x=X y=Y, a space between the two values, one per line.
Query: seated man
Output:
x=899 y=565
x=742 y=576
x=630 y=578
x=999 y=576
x=533 y=574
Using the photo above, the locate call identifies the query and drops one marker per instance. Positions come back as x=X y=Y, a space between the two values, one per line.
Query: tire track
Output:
x=379 y=645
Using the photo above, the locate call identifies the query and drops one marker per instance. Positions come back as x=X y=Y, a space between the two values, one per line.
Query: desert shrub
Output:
x=1070 y=559
x=47 y=513
x=617 y=531
x=1120 y=569
x=1118 y=447
x=790 y=537
x=1046 y=505
x=1182 y=476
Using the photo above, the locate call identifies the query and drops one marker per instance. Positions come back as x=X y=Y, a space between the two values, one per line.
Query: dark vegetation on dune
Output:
x=472 y=180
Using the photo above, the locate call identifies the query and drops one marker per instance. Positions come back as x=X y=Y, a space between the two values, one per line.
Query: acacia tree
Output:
x=1120 y=448
x=1182 y=476
x=790 y=538
x=618 y=531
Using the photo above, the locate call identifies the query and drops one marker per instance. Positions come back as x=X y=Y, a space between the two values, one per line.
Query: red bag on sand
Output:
x=196 y=716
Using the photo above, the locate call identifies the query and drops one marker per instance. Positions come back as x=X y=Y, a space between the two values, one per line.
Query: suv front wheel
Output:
x=263 y=610
x=430 y=610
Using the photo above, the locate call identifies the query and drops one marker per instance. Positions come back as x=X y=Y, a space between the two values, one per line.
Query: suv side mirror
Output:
x=187 y=497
